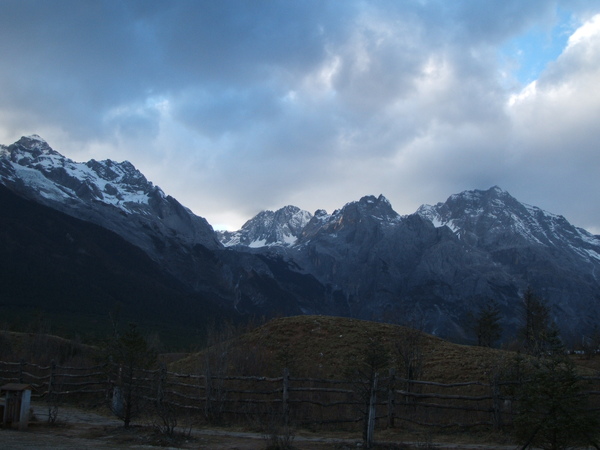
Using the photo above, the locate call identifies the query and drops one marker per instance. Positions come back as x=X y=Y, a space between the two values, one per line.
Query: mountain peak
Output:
x=102 y=191
x=378 y=207
x=33 y=145
x=123 y=172
x=494 y=218
x=268 y=228
x=371 y=200
x=471 y=206
x=32 y=142
x=35 y=137
x=479 y=195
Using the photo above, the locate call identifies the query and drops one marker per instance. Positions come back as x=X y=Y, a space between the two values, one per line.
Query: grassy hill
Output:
x=41 y=348
x=331 y=346
x=319 y=346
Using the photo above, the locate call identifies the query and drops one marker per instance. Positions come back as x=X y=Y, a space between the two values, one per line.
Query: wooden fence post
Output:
x=51 y=379
x=117 y=403
x=162 y=381
x=372 y=412
x=207 y=394
x=21 y=370
x=52 y=401
x=496 y=404
x=391 y=402
x=286 y=396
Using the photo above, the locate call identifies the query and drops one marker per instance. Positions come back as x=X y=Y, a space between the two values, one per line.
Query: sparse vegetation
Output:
x=320 y=348
x=553 y=411
x=409 y=359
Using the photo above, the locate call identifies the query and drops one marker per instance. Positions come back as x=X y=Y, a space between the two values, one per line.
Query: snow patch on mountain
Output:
x=112 y=194
x=495 y=218
x=37 y=180
x=57 y=177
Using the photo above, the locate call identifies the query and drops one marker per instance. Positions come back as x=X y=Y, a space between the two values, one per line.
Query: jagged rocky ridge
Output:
x=436 y=266
x=429 y=269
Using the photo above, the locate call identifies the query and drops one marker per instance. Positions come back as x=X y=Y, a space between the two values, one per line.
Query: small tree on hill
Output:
x=590 y=342
x=539 y=333
x=486 y=324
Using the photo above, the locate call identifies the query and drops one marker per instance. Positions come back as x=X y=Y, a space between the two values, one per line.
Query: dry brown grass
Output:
x=40 y=348
x=327 y=347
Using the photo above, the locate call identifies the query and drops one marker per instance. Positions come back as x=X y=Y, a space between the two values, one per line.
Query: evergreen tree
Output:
x=539 y=333
x=486 y=324
x=553 y=412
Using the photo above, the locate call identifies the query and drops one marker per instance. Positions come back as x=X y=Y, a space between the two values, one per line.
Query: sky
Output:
x=235 y=106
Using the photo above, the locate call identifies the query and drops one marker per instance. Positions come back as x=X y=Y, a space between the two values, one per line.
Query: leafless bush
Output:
x=277 y=434
x=166 y=423
x=280 y=438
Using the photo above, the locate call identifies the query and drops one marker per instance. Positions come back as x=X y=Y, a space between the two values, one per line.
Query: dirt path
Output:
x=81 y=429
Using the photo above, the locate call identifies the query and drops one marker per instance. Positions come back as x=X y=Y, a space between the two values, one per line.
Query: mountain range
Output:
x=430 y=269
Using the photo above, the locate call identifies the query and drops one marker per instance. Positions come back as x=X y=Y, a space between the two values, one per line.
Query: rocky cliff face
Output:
x=103 y=192
x=268 y=228
x=438 y=265
x=429 y=269
x=118 y=197
x=531 y=247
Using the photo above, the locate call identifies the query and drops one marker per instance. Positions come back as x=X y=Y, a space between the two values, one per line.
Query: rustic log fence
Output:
x=290 y=400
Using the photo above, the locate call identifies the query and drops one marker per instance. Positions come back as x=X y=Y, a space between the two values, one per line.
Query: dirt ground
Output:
x=81 y=429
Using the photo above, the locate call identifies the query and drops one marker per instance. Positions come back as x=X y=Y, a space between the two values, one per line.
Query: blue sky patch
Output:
x=526 y=56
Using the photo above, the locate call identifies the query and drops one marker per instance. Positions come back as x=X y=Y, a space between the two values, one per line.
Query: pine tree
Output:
x=539 y=333
x=486 y=324
x=553 y=412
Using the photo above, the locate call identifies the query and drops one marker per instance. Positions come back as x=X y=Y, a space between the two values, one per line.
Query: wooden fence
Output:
x=386 y=400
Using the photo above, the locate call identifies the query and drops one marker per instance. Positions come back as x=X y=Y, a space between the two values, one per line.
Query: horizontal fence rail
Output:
x=388 y=402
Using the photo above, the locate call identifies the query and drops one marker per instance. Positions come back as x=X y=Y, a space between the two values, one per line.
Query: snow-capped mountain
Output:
x=102 y=192
x=365 y=213
x=433 y=267
x=59 y=178
x=441 y=262
x=268 y=228
x=117 y=197
x=494 y=220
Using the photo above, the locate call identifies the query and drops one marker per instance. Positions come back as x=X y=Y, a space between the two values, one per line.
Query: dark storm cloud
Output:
x=241 y=42
x=70 y=62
